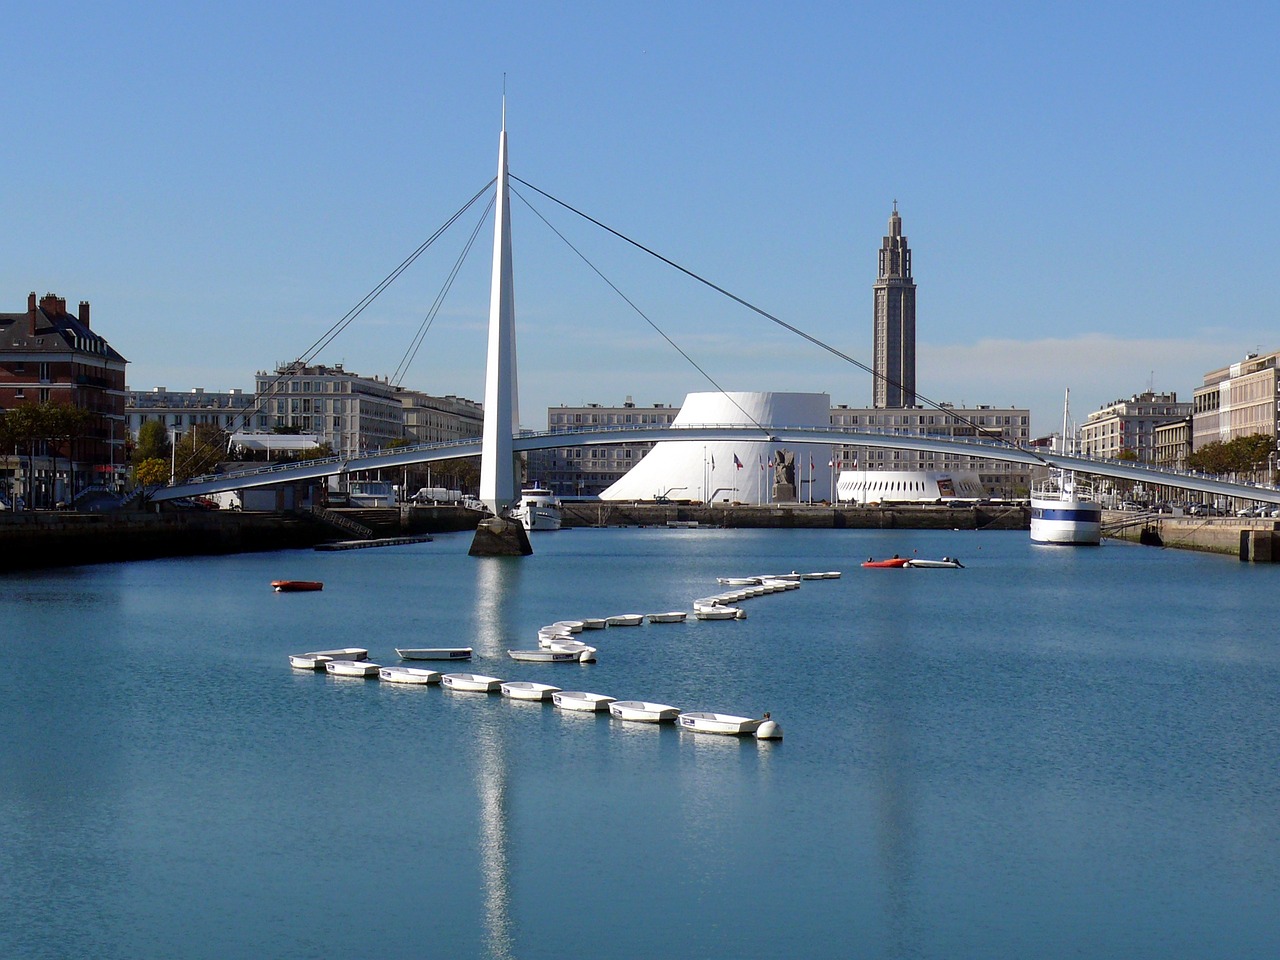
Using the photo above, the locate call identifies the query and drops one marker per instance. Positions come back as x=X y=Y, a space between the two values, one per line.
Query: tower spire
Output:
x=894 y=348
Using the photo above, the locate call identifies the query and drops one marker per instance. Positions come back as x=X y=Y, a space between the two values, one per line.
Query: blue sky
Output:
x=1089 y=189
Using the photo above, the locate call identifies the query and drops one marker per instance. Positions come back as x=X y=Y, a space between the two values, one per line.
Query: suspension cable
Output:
x=950 y=411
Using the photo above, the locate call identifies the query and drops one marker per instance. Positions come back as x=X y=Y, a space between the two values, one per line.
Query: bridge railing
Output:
x=843 y=435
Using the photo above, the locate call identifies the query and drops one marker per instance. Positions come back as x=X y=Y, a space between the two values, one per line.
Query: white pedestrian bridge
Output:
x=702 y=433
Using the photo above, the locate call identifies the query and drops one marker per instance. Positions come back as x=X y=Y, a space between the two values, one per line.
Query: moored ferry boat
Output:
x=1063 y=511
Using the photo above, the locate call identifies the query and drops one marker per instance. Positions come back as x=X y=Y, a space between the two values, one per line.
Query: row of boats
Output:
x=946 y=563
x=558 y=643
x=354 y=662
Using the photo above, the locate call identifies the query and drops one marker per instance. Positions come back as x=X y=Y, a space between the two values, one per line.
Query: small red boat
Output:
x=295 y=586
x=891 y=562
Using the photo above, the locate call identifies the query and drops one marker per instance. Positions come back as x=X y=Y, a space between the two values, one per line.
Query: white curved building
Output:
x=733 y=470
x=898 y=486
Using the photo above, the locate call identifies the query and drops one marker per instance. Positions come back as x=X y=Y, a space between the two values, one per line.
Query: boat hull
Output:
x=581 y=701
x=308 y=661
x=352 y=668
x=544 y=656
x=1066 y=522
x=408 y=675
x=470 y=682
x=524 y=690
x=723 y=724
x=296 y=586
x=343 y=653
x=642 y=711
x=434 y=653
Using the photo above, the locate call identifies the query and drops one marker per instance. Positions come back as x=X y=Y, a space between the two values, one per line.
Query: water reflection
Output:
x=890 y=725
x=497 y=580
x=497 y=584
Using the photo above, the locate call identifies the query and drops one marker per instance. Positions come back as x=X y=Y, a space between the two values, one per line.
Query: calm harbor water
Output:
x=1051 y=753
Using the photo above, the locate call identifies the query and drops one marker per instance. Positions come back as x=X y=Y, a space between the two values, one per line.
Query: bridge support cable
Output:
x=331 y=334
x=629 y=302
x=949 y=411
x=198 y=451
x=412 y=351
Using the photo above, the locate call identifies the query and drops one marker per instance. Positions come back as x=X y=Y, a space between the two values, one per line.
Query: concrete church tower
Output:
x=895 y=322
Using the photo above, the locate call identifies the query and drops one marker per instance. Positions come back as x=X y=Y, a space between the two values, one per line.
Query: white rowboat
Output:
x=352 y=668
x=720 y=613
x=578 y=700
x=470 y=682
x=434 y=653
x=584 y=652
x=642 y=711
x=525 y=690
x=627 y=620
x=344 y=653
x=408 y=675
x=308 y=661
x=544 y=656
x=722 y=723
x=674 y=616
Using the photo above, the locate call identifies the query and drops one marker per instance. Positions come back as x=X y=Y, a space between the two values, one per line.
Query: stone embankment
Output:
x=33 y=539
x=1252 y=540
x=797 y=515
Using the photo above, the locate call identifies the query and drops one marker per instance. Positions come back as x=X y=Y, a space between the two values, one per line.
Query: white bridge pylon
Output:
x=499 y=486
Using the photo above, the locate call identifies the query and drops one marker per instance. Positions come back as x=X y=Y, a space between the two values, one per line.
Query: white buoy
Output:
x=768 y=730
x=740 y=615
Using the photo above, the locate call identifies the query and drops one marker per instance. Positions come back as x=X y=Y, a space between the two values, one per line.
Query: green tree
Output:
x=152 y=472
x=27 y=421
x=1212 y=458
x=153 y=442
x=64 y=425
x=1250 y=454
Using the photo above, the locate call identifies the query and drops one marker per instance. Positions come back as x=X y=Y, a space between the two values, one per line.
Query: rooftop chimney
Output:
x=54 y=306
x=31 y=313
x=84 y=314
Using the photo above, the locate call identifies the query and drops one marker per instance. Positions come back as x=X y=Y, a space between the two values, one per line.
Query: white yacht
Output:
x=1063 y=508
x=538 y=509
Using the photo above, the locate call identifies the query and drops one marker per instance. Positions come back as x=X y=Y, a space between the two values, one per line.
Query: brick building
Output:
x=48 y=355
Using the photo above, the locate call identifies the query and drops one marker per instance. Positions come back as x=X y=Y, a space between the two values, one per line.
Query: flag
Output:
x=736 y=462
x=811 y=463
x=762 y=463
x=831 y=463
x=713 y=461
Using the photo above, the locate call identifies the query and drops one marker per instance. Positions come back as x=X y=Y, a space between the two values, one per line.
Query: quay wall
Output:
x=37 y=539
x=797 y=515
x=33 y=539
x=1248 y=539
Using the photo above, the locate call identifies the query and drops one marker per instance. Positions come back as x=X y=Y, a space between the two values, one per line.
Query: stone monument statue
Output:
x=784 y=477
